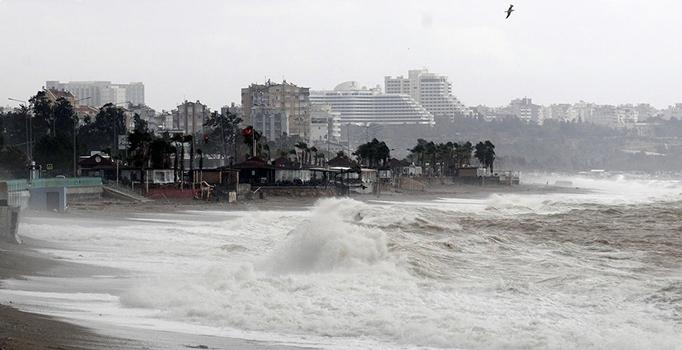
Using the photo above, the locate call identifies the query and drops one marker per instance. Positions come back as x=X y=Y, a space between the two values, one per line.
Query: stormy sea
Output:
x=597 y=265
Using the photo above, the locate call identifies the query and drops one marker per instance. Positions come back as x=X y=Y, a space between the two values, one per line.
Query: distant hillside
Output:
x=557 y=146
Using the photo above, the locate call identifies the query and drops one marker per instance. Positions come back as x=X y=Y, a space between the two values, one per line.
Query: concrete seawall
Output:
x=83 y=193
x=9 y=224
x=291 y=191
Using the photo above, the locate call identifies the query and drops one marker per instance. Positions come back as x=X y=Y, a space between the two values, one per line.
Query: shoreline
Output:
x=107 y=207
x=34 y=331
x=24 y=330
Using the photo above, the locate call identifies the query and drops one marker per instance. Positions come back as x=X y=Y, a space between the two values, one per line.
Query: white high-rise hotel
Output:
x=357 y=105
x=432 y=91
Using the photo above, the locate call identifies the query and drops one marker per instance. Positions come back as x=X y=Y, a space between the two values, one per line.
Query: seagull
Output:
x=509 y=11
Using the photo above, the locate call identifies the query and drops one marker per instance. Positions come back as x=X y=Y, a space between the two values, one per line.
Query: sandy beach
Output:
x=24 y=330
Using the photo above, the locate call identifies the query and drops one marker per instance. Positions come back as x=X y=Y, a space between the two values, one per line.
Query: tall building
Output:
x=270 y=122
x=325 y=124
x=99 y=93
x=432 y=91
x=234 y=109
x=673 y=111
x=357 y=105
x=277 y=100
x=190 y=117
x=524 y=109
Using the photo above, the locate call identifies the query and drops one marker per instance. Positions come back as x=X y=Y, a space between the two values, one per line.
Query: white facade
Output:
x=325 y=124
x=432 y=91
x=364 y=106
x=99 y=93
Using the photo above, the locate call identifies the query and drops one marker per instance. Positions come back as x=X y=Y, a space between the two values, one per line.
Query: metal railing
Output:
x=22 y=185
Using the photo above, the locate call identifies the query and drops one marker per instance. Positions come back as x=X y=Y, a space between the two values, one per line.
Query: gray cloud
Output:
x=603 y=51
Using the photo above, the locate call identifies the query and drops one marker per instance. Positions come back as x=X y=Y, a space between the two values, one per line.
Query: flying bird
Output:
x=509 y=11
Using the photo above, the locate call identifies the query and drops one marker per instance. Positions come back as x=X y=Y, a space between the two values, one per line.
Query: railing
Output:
x=16 y=185
x=21 y=185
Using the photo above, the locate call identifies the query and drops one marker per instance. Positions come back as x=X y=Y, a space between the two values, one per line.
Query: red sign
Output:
x=248 y=131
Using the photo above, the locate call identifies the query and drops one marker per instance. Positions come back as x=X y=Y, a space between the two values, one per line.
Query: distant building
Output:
x=166 y=118
x=646 y=111
x=272 y=99
x=82 y=111
x=604 y=115
x=86 y=112
x=53 y=95
x=147 y=114
x=234 y=109
x=270 y=122
x=99 y=93
x=524 y=109
x=190 y=117
x=627 y=116
x=674 y=111
x=559 y=111
x=362 y=106
x=325 y=124
x=432 y=91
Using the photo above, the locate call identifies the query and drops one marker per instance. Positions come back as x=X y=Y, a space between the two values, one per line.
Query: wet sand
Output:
x=23 y=330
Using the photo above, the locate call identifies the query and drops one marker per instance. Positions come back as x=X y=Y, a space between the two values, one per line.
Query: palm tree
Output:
x=314 y=151
x=266 y=148
x=485 y=153
x=430 y=150
x=464 y=153
x=480 y=153
x=304 y=151
x=490 y=154
x=419 y=151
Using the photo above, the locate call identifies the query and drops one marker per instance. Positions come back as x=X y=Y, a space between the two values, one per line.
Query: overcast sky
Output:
x=604 y=51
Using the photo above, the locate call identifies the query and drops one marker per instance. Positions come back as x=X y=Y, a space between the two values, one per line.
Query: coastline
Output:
x=26 y=330
x=20 y=329
x=31 y=331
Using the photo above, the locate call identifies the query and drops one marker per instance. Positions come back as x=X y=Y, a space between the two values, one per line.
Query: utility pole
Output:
x=75 y=124
x=222 y=134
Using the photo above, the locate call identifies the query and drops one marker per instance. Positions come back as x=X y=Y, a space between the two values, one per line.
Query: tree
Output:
x=42 y=122
x=485 y=153
x=222 y=132
x=251 y=136
x=419 y=150
x=303 y=147
x=64 y=120
x=160 y=149
x=139 y=142
x=463 y=154
x=12 y=162
x=56 y=150
x=490 y=153
x=103 y=133
x=373 y=153
x=14 y=126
